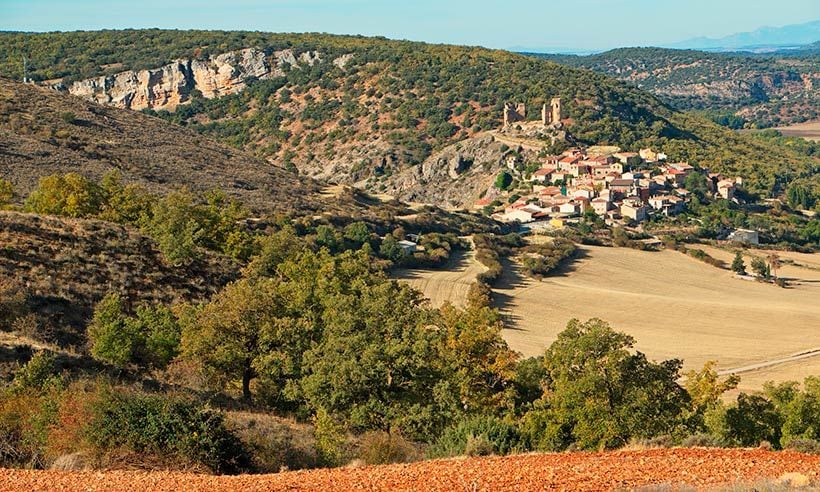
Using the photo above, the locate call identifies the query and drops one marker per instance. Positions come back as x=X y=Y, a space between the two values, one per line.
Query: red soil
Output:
x=700 y=468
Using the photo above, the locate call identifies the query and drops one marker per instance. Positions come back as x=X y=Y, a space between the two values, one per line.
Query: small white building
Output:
x=409 y=247
x=747 y=236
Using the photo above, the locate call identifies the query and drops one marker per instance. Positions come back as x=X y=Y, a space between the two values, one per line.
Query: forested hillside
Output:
x=763 y=90
x=393 y=103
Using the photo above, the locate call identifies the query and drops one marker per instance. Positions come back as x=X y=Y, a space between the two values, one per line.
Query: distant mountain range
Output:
x=763 y=39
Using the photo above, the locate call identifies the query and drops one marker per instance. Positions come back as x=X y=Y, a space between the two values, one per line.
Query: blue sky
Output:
x=579 y=24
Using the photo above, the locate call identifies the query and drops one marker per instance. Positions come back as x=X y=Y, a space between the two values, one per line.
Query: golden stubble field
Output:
x=447 y=285
x=674 y=305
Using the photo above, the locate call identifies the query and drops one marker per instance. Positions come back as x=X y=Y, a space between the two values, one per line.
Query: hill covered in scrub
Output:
x=761 y=90
x=44 y=132
x=361 y=110
x=54 y=270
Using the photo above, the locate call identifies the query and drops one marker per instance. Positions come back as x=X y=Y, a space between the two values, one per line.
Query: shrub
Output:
x=6 y=192
x=381 y=448
x=477 y=434
x=811 y=446
x=703 y=440
x=478 y=446
x=38 y=373
x=330 y=438
x=167 y=428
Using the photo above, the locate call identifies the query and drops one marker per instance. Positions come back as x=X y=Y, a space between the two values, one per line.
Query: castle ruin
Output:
x=513 y=113
x=550 y=113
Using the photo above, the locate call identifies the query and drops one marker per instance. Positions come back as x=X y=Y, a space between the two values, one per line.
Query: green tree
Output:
x=753 y=419
x=760 y=268
x=68 y=194
x=245 y=333
x=737 y=264
x=695 y=183
x=391 y=249
x=149 y=339
x=357 y=233
x=503 y=180
x=274 y=249
x=477 y=359
x=175 y=227
x=124 y=204
x=800 y=195
x=328 y=237
x=801 y=410
x=113 y=339
x=601 y=395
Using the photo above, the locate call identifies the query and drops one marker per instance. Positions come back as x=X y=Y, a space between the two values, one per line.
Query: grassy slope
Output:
x=401 y=100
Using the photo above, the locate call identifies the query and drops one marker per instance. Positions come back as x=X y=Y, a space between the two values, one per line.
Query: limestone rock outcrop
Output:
x=174 y=84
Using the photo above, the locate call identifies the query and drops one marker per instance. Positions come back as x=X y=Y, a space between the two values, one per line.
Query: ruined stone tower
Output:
x=556 y=110
x=513 y=113
x=551 y=114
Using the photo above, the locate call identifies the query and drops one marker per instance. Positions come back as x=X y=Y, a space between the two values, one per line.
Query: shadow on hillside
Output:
x=511 y=278
x=570 y=264
x=458 y=261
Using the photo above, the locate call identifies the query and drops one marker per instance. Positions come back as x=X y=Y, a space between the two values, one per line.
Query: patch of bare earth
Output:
x=676 y=468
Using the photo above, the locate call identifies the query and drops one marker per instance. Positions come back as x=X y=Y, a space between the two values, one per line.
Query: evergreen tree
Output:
x=737 y=264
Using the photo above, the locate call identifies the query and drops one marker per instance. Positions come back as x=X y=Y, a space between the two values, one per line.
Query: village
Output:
x=622 y=188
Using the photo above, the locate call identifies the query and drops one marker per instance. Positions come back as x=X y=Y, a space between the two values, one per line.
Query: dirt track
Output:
x=699 y=468
x=451 y=283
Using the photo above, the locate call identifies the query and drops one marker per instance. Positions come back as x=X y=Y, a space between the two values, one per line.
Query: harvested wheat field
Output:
x=670 y=469
x=449 y=284
x=674 y=305
x=809 y=130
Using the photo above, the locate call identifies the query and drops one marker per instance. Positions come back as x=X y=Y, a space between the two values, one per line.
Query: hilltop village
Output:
x=623 y=188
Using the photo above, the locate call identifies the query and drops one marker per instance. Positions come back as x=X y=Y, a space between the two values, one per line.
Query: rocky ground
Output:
x=663 y=469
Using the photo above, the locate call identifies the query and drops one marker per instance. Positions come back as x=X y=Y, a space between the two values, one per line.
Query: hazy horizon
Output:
x=530 y=25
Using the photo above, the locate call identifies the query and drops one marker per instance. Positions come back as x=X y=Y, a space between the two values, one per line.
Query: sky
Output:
x=510 y=24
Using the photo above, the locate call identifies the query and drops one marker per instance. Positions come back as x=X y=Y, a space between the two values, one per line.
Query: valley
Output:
x=698 y=314
x=243 y=252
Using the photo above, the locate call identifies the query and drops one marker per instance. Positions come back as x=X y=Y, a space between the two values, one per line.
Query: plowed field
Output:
x=673 y=469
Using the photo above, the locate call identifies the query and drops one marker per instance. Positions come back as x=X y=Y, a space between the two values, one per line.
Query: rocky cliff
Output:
x=173 y=84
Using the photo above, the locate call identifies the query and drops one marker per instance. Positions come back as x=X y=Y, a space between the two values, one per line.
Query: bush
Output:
x=382 y=448
x=810 y=446
x=167 y=428
x=703 y=440
x=71 y=195
x=38 y=373
x=6 y=192
x=478 y=435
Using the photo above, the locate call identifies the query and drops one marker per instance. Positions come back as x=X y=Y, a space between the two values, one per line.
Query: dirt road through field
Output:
x=675 y=306
x=448 y=284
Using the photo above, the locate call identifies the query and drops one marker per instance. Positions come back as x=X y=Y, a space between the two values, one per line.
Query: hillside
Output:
x=654 y=469
x=362 y=110
x=765 y=90
x=63 y=267
x=44 y=132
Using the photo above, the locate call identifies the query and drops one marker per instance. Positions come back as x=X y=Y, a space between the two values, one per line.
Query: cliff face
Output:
x=171 y=85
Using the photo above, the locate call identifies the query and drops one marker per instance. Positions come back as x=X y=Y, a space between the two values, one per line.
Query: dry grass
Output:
x=675 y=306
